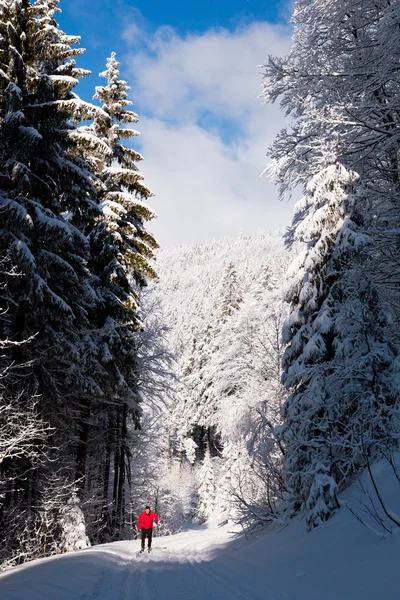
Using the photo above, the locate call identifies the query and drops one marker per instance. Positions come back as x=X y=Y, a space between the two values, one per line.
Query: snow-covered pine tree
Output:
x=121 y=253
x=191 y=395
x=322 y=361
x=207 y=489
x=365 y=378
x=266 y=282
x=360 y=412
x=130 y=247
x=231 y=295
x=48 y=198
x=200 y=406
x=309 y=330
x=337 y=84
x=72 y=523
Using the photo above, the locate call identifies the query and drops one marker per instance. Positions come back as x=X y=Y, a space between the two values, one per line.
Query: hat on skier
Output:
x=147 y=507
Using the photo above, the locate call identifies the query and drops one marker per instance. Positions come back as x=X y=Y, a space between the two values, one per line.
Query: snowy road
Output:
x=159 y=577
x=180 y=566
x=342 y=560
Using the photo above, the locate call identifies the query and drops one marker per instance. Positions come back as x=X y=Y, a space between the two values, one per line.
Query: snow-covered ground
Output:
x=344 y=560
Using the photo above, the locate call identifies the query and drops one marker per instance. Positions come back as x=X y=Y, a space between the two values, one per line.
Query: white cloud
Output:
x=204 y=131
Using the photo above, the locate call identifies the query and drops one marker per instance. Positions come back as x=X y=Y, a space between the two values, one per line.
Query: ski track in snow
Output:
x=234 y=592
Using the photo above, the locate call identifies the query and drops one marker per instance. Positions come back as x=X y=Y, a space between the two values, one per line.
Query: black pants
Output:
x=147 y=533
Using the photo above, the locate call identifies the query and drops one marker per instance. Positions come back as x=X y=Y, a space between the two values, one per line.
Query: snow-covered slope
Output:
x=344 y=560
x=191 y=278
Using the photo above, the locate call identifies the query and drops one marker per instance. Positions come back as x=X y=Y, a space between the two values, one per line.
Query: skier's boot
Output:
x=142 y=550
x=149 y=550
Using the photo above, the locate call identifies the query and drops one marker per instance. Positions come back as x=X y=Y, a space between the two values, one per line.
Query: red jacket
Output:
x=145 y=521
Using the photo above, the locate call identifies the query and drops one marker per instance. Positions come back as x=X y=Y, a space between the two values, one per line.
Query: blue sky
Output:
x=195 y=77
x=184 y=15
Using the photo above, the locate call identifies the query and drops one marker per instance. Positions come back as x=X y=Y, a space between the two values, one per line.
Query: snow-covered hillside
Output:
x=344 y=560
x=223 y=309
x=191 y=278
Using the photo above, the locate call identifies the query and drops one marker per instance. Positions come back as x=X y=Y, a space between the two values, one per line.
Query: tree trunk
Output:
x=117 y=450
x=121 y=503
x=84 y=427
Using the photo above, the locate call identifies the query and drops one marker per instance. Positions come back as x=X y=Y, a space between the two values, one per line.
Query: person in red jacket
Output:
x=145 y=525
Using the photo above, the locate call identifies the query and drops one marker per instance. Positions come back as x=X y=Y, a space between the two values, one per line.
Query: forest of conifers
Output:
x=249 y=378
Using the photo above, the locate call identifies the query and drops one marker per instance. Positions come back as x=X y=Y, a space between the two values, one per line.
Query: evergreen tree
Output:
x=207 y=491
x=320 y=361
x=73 y=530
x=199 y=411
x=121 y=251
x=338 y=85
x=48 y=199
x=309 y=330
x=128 y=247
x=230 y=295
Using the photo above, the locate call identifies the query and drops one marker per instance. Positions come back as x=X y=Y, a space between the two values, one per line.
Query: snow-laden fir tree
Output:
x=199 y=405
x=72 y=523
x=338 y=85
x=325 y=350
x=129 y=247
x=121 y=253
x=309 y=330
x=207 y=488
x=231 y=295
x=48 y=200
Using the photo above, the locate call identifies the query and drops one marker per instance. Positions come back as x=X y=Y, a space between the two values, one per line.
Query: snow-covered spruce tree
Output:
x=199 y=407
x=48 y=198
x=207 y=488
x=339 y=86
x=323 y=426
x=130 y=246
x=246 y=383
x=231 y=295
x=72 y=523
x=361 y=405
x=309 y=329
x=195 y=413
x=121 y=253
